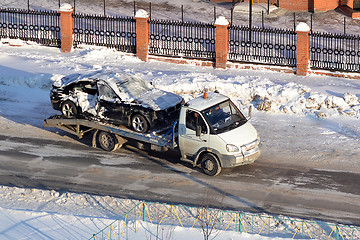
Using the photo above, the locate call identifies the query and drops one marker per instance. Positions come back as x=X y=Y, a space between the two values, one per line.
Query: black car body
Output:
x=115 y=98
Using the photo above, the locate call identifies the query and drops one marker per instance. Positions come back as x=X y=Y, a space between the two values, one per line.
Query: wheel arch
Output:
x=203 y=151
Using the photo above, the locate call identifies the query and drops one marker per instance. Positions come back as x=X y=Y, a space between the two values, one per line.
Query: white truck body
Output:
x=211 y=132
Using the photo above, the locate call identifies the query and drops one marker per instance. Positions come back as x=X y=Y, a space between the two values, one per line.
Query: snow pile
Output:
x=263 y=94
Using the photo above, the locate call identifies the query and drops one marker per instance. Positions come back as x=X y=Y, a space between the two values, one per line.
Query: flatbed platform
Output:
x=79 y=127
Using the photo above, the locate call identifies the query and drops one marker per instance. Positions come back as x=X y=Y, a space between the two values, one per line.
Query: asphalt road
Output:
x=132 y=173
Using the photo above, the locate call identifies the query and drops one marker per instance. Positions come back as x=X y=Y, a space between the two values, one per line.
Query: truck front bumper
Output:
x=240 y=159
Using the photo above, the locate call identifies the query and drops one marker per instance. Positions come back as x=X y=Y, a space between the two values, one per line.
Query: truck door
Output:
x=188 y=141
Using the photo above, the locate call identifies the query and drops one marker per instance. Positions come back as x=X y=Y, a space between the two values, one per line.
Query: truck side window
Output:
x=193 y=119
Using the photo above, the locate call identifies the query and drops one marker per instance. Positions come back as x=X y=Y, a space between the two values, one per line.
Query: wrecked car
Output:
x=119 y=99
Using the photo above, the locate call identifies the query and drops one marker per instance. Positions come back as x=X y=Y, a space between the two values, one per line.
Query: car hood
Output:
x=157 y=99
x=239 y=136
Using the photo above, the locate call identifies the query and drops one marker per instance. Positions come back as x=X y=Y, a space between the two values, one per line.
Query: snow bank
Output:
x=263 y=94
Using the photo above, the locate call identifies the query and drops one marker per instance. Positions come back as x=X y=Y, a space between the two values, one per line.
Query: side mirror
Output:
x=250 y=112
x=198 y=130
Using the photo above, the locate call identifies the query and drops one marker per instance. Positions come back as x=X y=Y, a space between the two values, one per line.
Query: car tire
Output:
x=210 y=164
x=68 y=109
x=107 y=141
x=139 y=123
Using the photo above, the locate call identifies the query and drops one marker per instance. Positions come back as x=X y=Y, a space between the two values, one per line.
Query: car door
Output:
x=190 y=144
x=110 y=107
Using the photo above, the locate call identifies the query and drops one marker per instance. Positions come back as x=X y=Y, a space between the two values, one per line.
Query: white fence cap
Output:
x=221 y=21
x=141 y=13
x=66 y=7
x=302 y=27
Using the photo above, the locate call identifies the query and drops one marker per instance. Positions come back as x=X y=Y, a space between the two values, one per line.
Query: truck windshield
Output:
x=224 y=117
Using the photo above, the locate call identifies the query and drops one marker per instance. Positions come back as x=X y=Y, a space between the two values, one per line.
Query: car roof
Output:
x=106 y=76
x=201 y=103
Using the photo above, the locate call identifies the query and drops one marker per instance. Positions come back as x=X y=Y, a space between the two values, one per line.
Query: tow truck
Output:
x=211 y=132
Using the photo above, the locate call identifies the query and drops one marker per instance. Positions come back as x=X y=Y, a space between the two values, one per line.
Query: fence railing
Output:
x=332 y=52
x=29 y=25
x=221 y=220
x=111 y=32
x=335 y=52
x=182 y=39
x=262 y=45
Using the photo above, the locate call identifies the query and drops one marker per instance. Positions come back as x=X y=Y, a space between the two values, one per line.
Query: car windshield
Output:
x=224 y=117
x=133 y=86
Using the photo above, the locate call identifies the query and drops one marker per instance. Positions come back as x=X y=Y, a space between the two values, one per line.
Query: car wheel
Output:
x=139 y=123
x=210 y=165
x=68 y=109
x=107 y=141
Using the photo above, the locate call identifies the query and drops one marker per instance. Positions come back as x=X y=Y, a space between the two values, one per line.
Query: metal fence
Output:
x=111 y=32
x=221 y=220
x=182 y=39
x=335 y=52
x=38 y=26
x=262 y=45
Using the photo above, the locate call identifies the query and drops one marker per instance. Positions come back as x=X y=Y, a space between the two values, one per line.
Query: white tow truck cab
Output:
x=214 y=133
x=211 y=132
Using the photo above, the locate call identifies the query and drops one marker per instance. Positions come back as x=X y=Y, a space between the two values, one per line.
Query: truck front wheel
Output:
x=210 y=164
x=107 y=141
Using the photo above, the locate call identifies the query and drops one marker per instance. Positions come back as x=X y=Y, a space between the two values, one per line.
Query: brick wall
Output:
x=325 y=5
x=295 y=5
x=304 y=5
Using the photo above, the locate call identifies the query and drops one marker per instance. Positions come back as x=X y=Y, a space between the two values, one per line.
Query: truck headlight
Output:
x=232 y=148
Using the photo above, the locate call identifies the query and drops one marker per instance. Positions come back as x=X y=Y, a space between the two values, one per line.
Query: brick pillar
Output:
x=303 y=49
x=66 y=26
x=222 y=42
x=142 y=34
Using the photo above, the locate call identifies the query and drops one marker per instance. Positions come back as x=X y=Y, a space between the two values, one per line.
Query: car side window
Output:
x=90 y=89
x=192 y=119
x=106 y=93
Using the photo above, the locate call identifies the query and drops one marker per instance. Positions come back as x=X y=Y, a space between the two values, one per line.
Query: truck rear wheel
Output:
x=210 y=164
x=107 y=141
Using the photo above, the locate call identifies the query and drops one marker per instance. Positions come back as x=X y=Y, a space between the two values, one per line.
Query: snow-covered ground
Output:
x=42 y=214
x=314 y=119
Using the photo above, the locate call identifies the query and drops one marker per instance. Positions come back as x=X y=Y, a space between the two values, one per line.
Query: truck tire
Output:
x=107 y=141
x=210 y=164
x=139 y=123
x=68 y=109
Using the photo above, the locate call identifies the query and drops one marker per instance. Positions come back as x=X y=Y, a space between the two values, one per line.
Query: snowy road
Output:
x=131 y=173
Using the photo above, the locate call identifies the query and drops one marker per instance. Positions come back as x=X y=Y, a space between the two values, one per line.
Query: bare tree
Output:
x=210 y=218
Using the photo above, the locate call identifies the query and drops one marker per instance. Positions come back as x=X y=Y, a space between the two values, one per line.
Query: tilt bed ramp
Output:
x=111 y=137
